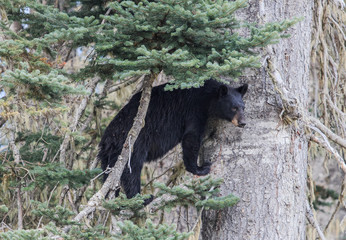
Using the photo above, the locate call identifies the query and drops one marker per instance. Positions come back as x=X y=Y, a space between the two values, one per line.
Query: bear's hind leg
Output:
x=131 y=181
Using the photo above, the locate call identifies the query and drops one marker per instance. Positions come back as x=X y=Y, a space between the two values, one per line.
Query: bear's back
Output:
x=166 y=119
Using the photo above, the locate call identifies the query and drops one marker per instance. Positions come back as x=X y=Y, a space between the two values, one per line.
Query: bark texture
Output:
x=265 y=163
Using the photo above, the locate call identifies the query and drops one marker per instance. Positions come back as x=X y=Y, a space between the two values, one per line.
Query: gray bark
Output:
x=265 y=163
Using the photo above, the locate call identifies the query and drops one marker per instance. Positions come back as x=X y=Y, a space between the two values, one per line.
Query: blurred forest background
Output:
x=60 y=89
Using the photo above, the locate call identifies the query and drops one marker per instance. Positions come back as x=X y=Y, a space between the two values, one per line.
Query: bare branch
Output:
x=20 y=208
x=339 y=3
x=334 y=137
x=16 y=153
x=79 y=112
x=122 y=84
x=325 y=144
x=335 y=108
x=113 y=179
x=312 y=220
x=341 y=199
x=294 y=109
x=104 y=20
x=73 y=127
x=2 y=121
x=290 y=105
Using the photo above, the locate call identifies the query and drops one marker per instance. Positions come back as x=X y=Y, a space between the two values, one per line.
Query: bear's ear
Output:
x=223 y=90
x=242 y=90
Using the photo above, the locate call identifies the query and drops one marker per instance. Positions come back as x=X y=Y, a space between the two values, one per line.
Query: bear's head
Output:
x=230 y=105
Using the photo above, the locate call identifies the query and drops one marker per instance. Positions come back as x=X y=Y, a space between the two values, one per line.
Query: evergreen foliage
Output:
x=190 y=40
x=51 y=231
x=201 y=193
x=3 y=209
x=42 y=140
x=58 y=214
x=21 y=235
x=121 y=203
x=150 y=231
x=49 y=175
x=322 y=195
x=53 y=174
x=37 y=86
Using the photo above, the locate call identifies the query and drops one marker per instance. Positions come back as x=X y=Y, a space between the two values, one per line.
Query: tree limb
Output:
x=78 y=115
x=293 y=109
x=16 y=153
x=341 y=199
x=335 y=138
x=113 y=179
x=122 y=84
x=311 y=218
x=73 y=128
x=2 y=121
x=325 y=144
x=289 y=105
x=20 y=208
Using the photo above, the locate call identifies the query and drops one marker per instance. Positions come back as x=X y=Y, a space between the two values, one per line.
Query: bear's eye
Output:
x=234 y=109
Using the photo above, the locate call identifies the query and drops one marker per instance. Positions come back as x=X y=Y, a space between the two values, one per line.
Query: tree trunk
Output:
x=265 y=163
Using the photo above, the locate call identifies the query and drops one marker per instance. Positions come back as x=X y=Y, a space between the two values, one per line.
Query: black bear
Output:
x=172 y=117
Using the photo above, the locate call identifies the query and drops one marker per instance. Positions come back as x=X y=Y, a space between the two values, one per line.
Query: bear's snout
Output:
x=238 y=120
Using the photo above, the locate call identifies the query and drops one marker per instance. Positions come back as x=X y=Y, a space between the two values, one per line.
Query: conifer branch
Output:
x=197 y=226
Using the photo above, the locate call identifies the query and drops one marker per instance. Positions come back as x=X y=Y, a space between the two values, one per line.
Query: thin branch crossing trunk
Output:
x=113 y=180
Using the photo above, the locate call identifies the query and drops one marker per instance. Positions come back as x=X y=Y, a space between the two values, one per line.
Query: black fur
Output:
x=172 y=117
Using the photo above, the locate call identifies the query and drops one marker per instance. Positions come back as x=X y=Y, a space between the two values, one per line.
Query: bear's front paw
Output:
x=204 y=169
x=148 y=200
